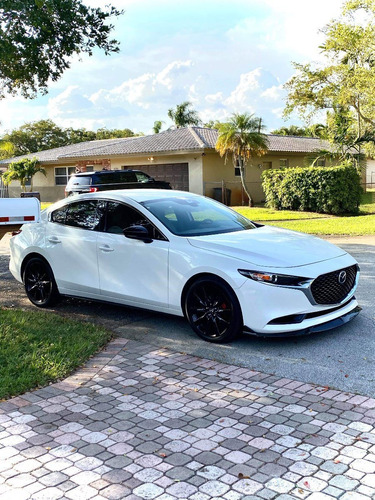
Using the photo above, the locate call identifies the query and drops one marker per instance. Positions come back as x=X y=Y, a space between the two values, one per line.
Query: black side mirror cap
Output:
x=137 y=232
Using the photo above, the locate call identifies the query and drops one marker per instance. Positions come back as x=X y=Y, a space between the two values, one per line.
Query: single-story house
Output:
x=186 y=157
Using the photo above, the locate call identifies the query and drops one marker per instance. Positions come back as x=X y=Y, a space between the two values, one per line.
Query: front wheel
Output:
x=40 y=285
x=213 y=310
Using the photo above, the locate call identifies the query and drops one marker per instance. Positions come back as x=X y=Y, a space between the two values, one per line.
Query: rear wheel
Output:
x=40 y=285
x=213 y=310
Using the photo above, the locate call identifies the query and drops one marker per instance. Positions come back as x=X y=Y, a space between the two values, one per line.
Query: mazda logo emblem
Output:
x=342 y=277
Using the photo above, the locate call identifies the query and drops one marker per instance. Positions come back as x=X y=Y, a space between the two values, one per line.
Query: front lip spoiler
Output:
x=329 y=325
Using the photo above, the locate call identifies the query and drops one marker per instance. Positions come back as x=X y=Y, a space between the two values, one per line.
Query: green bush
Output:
x=330 y=190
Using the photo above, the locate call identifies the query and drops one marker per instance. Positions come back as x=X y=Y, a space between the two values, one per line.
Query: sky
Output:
x=222 y=56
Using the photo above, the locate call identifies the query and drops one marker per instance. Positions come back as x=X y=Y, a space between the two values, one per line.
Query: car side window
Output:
x=83 y=214
x=142 y=177
x=120 y=216
x=58 y=216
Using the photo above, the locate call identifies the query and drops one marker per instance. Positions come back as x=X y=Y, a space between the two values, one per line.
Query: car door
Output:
x=132 y=271
x=71 y=236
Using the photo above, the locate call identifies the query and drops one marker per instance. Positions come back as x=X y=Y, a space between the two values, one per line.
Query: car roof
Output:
x=137 y=195
x=101 y=172
x=141 y=195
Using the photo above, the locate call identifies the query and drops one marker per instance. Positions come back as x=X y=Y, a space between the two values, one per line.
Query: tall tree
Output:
x=182 y=115
x=23 y=170
x=157 y=126
x=242 y=138
x=212 y=124
x=103 y=133
x=6 y=149
x=292 y=130
x=347 y=79
x=45 y=134
x=36 y=136
x=315 y=130
x=39 y=37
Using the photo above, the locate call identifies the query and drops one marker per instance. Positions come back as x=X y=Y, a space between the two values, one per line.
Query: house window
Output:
x=284 y=162
x=237 y=170
x=89 y=168
x=321 y=162
x=62 y=175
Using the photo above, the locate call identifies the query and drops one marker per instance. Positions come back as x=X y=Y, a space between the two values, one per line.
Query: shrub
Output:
x=331 y=190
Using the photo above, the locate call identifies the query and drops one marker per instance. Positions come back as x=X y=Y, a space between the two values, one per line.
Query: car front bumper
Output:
x=272 y=310
x=321 y=327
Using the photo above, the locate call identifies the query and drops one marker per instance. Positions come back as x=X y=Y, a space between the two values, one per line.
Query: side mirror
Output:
x=137 y=232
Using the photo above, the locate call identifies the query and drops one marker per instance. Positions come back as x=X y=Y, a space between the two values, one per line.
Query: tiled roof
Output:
x=177 y=140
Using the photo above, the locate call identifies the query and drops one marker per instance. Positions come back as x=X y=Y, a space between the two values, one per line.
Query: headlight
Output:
x=275 y=279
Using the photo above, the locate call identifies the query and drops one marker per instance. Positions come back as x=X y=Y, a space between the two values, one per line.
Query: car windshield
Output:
x=185 y=216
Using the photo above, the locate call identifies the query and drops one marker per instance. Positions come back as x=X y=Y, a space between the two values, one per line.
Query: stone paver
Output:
x=143 y=423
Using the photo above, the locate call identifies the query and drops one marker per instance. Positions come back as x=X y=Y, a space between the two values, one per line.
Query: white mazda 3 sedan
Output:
x=186 y=255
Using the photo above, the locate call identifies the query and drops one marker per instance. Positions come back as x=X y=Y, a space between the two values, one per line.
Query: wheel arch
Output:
x=30 y=256
x=199 y=276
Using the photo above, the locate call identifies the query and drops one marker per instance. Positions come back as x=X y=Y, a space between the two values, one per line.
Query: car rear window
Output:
x=79 y=180
x=115 y=178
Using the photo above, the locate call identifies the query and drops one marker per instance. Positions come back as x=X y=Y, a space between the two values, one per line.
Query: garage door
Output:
x=175 y=173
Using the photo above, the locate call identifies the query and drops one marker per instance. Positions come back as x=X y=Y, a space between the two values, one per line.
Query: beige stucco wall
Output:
x=49 y=192
x=206 y=172
x=45 y=185
x=215 y=170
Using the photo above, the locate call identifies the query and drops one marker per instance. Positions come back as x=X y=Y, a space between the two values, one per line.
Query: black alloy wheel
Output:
x=40 y=285
x=213 y=310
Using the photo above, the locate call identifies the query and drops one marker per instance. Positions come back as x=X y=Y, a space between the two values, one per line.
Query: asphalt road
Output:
x=343 y=359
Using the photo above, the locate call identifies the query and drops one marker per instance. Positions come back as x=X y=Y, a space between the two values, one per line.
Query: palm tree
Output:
x=157 y=126
x=22 y=171
x=242 y=137
x=182 y=116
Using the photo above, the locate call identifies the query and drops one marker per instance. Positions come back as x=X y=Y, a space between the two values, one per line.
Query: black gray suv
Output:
x=104 y=180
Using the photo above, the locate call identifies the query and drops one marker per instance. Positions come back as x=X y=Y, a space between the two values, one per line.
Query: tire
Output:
x=40 y=284
x=213 y=310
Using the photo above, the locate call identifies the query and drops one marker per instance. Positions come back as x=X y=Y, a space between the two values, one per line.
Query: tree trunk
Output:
x=242 y=171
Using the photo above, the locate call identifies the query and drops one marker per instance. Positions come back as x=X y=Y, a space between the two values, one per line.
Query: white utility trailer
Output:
x=14 y=212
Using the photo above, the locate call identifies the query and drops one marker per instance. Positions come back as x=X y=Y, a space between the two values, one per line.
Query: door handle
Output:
x=106 y=248
x=54 y=239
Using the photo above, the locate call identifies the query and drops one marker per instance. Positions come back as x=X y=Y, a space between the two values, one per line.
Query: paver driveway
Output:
x=140 y=422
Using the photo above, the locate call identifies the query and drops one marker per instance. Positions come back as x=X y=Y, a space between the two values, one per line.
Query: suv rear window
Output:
x=80 y=180
x=115 y=178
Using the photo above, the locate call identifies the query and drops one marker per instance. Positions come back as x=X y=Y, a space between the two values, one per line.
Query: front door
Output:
x=131 y=271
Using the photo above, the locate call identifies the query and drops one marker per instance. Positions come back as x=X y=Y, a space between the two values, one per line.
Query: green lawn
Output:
x=353 y=226
x=313 y=223
x=38 y=347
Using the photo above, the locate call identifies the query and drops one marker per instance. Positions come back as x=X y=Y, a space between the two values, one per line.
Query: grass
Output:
x=268 y=214
x=37 y=348
x=352 y=226
x=314 y=223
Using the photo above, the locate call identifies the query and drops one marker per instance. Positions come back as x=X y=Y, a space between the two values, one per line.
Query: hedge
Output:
x=331 y=190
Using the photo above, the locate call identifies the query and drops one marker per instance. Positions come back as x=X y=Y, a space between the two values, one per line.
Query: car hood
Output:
x=269 y=246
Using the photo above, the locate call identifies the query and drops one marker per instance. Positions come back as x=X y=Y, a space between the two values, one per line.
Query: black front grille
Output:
x=331 y=288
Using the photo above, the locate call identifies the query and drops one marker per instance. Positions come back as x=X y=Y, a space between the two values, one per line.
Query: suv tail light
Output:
x=93 y=190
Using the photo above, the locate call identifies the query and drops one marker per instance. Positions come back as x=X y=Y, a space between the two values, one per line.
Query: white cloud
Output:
x=171 y=72
x=239 y=97
x=214 y=98
x=273 y=93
